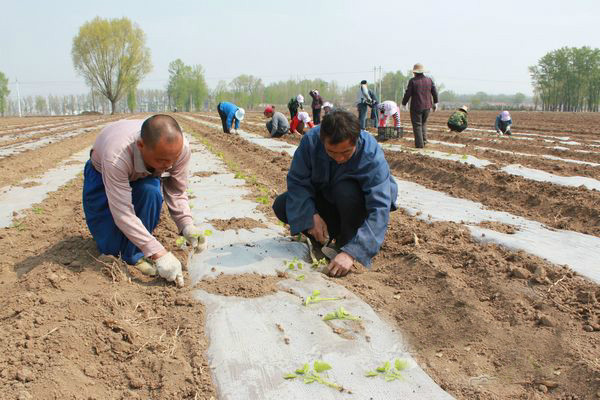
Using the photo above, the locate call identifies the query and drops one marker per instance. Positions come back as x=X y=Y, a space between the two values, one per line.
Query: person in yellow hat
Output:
x=458 y=120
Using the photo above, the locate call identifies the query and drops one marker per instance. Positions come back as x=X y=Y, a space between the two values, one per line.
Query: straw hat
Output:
x=464 y=108
x=419 y=69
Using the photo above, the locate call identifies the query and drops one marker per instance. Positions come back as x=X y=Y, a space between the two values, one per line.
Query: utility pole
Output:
x=19 y=99
x=380 y=82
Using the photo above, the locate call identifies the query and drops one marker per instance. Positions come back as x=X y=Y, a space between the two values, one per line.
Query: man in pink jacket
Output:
x=123 y=195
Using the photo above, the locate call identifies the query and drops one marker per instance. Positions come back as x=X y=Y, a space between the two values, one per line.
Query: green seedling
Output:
x=38 y=210
x=340 y=313
x=239 y=175
x=314 y=298
x=207 y=232
x=388 y=372
x=464 y=157
x=309 y=375
x=263 y=200
x=180 y=242
x=319 y=263
x=300 y=277
x=294 y=265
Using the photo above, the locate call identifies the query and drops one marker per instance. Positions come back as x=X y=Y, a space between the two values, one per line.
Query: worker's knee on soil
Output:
x=279 y=207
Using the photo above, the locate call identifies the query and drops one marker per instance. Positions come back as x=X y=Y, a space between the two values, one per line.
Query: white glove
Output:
x=194 y=237
x=233 y=130
x=435 y=107
x=169 y=268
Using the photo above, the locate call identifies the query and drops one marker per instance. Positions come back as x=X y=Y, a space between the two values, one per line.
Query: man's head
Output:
x=269 y=110
x=418 y=69
x=161 y=142
x=339 y=132
x=363 y=82
x=327 y=107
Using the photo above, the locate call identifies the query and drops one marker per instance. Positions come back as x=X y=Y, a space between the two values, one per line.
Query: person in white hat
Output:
x=229 y=113
x=299 y=122
x=327 y=107
x=503 y=123
x=295 y=104
x=458 y=121
x=423 y=97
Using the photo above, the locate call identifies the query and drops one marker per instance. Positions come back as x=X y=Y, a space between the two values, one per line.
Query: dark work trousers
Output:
x=343 y=217
x=362 y=114
x=223 y=118
x=457 y=128
x=375 y=115
x=317 y=116
x=280 y=132
x=147 y=200
x=419 y=124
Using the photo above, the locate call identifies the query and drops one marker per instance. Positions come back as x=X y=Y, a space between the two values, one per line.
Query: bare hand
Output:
x=340 y=265
x=319 y=230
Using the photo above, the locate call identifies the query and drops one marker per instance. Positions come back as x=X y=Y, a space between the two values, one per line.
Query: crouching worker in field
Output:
x=339 y=191
x=300 y=122
x=123 y=197
x=389 y=109
x=229 y=114
x=458 y=121
x=503 y=123
x=278 y=125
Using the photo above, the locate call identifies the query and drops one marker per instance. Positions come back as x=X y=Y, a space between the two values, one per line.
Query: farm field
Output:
x=489 y=271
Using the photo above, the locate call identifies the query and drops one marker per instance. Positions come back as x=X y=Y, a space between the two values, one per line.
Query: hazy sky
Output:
x=468 y=45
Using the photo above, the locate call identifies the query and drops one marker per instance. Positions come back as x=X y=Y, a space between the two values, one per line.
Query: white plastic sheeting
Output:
x=248 y=354
x=542 y=176
x=578 y=251
x=14 y=199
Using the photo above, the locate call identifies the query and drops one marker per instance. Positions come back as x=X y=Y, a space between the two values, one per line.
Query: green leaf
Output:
x=180 y=242
x=371 y=373
x=300 y=278
x=321 y=366
x=384 y=368
x=401 y=364
x=304 y=370
x=309 y=379
x=207 y=232
x=289 y=376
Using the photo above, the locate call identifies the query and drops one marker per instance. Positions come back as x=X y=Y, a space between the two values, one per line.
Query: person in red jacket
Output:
x=300 y=122
x=420 y=91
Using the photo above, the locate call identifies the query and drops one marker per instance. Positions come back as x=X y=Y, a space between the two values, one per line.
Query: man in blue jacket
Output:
x=228 y=113
x=339 y=188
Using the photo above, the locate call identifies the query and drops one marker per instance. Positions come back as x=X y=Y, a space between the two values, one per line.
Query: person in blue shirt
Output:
x=228 y=113
x=339 y=187
x=503 y=123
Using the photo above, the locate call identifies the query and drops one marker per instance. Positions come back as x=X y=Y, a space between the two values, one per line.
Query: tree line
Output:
x=568 y=79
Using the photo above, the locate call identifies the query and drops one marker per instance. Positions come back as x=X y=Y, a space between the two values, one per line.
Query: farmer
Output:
x=386 y=109
x=299 y=122
x=327 y=107
x=420 y=91
x=229 y=113
x=458 y=120
x=339 y=188
x=374 y=109
x=363 y=101
x=278 y=125
x=294 y=104
x=317 y=103
x=503 y=123
x=122 y=196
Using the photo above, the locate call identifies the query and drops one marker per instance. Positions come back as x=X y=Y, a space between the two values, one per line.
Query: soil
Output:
x=247 y=285
x=236 y=223
x=485 y=322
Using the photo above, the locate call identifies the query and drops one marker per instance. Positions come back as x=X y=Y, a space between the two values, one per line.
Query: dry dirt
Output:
x=485 y=322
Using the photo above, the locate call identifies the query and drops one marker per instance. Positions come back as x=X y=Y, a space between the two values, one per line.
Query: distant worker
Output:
x=458 y=121
x=123 y=191
x=300 y=122
x=503 y=123
x=278 y=125
x=327 y=108
x=294 y=104
x=389 y=109
x=229 y=113
x=363 y=101
x=420 y=91
x=317 y=103
x=339 y=192
x=374 y=108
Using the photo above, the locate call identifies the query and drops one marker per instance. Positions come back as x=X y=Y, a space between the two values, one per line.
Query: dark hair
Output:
x=157 y=126
x=363 y=82
x=338 y=126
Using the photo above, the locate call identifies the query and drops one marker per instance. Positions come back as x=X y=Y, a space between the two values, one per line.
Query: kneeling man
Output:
x=339 y=189
x=123 y=192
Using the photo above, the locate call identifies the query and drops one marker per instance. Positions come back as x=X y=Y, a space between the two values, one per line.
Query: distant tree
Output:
x=40 y=105
x=131 y=100
x=4 y=92
x=448 y=95
x=111 y=55
x=248 y=90
x=187 y=87
x=518 y=98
